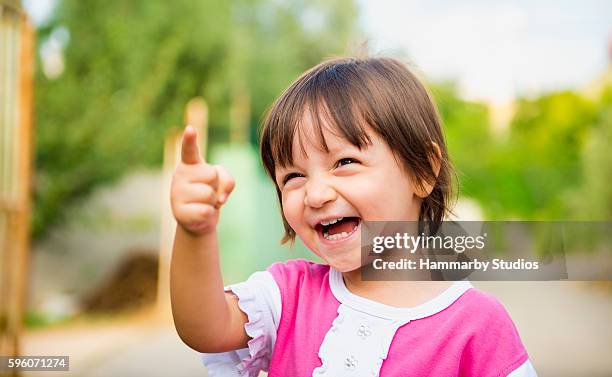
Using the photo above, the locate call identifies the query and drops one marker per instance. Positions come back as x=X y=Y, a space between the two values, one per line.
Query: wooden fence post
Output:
x=16 y=134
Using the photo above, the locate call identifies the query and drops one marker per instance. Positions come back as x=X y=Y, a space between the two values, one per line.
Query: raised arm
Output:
x=206 y=318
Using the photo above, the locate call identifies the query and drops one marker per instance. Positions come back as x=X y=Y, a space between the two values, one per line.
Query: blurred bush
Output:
x=550 y=163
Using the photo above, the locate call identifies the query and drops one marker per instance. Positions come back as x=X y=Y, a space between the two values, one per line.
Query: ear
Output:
x=435 y=162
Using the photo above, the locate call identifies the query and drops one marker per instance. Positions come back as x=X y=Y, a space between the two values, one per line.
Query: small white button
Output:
x=350 y=363
x=364 y=331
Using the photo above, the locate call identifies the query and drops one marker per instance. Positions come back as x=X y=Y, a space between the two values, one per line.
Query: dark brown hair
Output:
x=351 y=94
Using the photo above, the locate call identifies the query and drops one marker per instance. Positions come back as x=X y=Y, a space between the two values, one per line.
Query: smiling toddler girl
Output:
x=351 y=140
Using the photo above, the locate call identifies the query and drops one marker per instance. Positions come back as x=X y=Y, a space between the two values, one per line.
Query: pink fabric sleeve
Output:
x=494 y=348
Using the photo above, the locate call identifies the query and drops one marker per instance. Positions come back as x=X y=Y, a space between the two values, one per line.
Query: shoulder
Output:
x=484 y=309
x=297 y=269
x=299 y=277
x=481 y=302
x=493 y=340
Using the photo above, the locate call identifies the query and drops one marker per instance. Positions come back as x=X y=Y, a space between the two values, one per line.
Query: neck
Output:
x=394 y=293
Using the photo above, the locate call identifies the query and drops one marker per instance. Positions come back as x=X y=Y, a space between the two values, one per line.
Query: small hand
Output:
x=198 y=189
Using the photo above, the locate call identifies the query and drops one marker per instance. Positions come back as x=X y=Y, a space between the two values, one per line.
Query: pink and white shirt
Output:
x=303 y=321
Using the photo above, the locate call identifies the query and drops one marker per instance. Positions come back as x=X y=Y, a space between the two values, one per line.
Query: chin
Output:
x=341 y=264
x=347 y=269
x=344 y=266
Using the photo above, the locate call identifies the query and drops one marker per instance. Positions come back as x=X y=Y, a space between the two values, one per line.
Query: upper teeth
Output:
x=333 y=221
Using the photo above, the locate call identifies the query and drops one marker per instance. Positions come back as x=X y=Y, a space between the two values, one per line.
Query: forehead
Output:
x=318 y=129
x=318 y=135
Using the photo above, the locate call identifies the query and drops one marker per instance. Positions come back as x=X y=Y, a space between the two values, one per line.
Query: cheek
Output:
x=292 y=209
x=393 y=200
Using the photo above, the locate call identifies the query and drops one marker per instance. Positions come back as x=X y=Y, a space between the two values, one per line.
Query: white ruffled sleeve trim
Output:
x=258 y=297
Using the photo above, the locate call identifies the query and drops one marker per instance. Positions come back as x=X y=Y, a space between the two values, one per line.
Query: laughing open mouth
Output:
x=339 y=228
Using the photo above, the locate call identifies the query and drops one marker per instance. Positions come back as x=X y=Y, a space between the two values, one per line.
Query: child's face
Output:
x=346 y=183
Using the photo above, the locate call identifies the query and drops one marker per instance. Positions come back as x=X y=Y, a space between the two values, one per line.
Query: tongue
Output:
x=345 y=225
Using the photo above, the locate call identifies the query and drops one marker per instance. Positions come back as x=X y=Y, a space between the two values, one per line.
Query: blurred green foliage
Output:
x=131 y=66
x=593 y=198
x=466 y=125
x=543 y=153
x=552 y=162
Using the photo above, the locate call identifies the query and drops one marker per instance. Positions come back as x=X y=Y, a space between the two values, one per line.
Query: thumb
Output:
x=226 y=184
x=190 y=152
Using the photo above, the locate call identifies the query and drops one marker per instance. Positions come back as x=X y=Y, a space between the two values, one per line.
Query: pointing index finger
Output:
x=190 y=152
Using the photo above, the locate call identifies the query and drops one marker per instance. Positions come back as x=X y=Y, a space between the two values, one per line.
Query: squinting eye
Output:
x=290 y=176
x=345 y=161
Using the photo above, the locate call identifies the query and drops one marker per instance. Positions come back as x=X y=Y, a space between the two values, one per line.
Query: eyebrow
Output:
x=347 y=144
x=336 y=148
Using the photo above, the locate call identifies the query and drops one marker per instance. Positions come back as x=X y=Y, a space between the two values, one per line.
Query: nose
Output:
x=318 y=193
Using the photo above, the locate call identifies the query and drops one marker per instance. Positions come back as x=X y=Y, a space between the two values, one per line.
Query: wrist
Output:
x=198 y=231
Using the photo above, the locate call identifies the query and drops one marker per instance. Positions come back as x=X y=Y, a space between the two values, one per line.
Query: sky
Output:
x=38 y=10
x=495 y=50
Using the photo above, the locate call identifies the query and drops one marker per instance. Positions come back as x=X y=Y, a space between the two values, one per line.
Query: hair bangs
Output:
x=321 y=101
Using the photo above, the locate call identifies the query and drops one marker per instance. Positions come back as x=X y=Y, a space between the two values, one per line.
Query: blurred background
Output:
x=93 y=95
